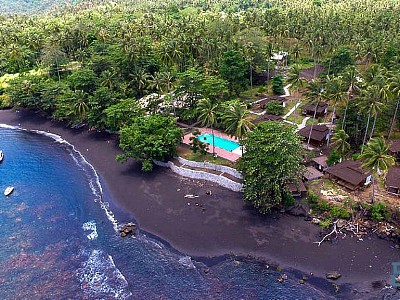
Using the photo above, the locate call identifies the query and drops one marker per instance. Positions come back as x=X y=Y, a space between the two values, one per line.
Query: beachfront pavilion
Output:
x=231 y=155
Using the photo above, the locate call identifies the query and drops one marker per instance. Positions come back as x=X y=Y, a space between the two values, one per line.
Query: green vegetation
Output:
x=277 y=85
x=274 y=107
x=109 y=64
x=150 y=138
x=379 y=211
x=271 y=161
x=329 y=210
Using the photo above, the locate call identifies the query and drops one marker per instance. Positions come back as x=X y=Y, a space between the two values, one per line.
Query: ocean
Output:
x=59 y=239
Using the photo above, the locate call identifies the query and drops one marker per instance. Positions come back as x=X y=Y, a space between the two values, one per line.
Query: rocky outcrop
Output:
x=333 y=275
x=128 y=229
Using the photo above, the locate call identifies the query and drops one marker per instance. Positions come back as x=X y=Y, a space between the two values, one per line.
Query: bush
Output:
x=379 y=211
x=277 y=85
x=288 y=200
x=339 y=212
x=274 y=107
x=333 y=158
x=312 y=198
x=325 y=223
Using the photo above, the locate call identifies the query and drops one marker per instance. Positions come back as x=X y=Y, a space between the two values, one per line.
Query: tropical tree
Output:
x=371 y=103
x=315 y=92
x=207 y=116
x=81 y=108
x=237 y=122
x=376 y=159
x=234 y=70
x=394 y=87
x=339 y=142
x=271 y=162
x=296 y=80
x=352 y=80
x=155 y=137
x=335 y=92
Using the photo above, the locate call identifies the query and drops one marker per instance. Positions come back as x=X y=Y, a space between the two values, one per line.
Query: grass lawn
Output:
x=252 y=93
x=185 y=152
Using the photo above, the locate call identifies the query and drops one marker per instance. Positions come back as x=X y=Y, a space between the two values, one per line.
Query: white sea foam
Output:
x=91 y=225
x=9 y=126
x=93 y=177
x=101 y=279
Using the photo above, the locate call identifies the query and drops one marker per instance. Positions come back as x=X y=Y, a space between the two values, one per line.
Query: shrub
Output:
x=325 y=223
x=274 y=107
x=277 y=85
x=379 y=211
x=288 y=200
x=333 y=158
x=312 y=198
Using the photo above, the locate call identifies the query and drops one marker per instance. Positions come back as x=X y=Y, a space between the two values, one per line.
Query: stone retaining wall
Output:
x=221 y=180
x=210 y=166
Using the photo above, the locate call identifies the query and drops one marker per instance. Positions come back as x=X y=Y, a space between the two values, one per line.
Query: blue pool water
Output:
x=59 y=239
x=219 y=142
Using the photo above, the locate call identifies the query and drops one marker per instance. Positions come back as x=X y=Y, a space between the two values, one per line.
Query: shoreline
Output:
x=220 y=224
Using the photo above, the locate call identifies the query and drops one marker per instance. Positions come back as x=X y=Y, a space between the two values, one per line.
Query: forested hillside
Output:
x=94 y=62
x=32 y=6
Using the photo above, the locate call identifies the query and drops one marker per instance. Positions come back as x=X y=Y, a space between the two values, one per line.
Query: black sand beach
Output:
x=218 y=224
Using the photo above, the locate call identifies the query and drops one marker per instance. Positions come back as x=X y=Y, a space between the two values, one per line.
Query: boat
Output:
x=8 y=190
x=1 y=156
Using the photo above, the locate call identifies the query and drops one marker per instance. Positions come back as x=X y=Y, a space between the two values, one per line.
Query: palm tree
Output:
x=394 y=87
x=80 y=106
x=295 y=79
x=208 y=116
x=340 y=143
x=371 y=104
x=376 y=159
x=315 y=91
x=336 y=94
x=352 y=80
x=236 y=120
x=268 y=53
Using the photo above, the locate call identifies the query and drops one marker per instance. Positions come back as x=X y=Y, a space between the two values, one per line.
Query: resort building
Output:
x=320 y=163
x=394 y=148
x=298 y=189
x=393 y=180
x=319 y=134
x=312 y=173
x=349 y=175
x=322 y=109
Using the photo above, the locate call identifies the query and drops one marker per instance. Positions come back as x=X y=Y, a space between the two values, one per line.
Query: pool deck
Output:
x=233 y=155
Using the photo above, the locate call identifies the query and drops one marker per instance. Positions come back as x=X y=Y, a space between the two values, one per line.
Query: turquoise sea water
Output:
x=219 y=142
x=59 y=240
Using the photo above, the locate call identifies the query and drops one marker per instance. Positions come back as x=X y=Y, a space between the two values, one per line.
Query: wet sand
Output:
x=219 y=224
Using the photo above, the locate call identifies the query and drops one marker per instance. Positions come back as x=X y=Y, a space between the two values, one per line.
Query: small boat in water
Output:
x=1 y=156
x=8 y=190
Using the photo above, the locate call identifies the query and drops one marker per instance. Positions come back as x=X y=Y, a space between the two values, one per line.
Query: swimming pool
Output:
x=219 y=142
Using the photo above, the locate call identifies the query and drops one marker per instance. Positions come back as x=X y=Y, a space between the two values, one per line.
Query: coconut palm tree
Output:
x=207 y=116
x=295 y=79
x=81 y=108
x=352 y=80
x=371 y=104
x=394 y=87
x=315 y=92
x=339 y=142
x=237 y=122
x=376 y=159
x=335 y=92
